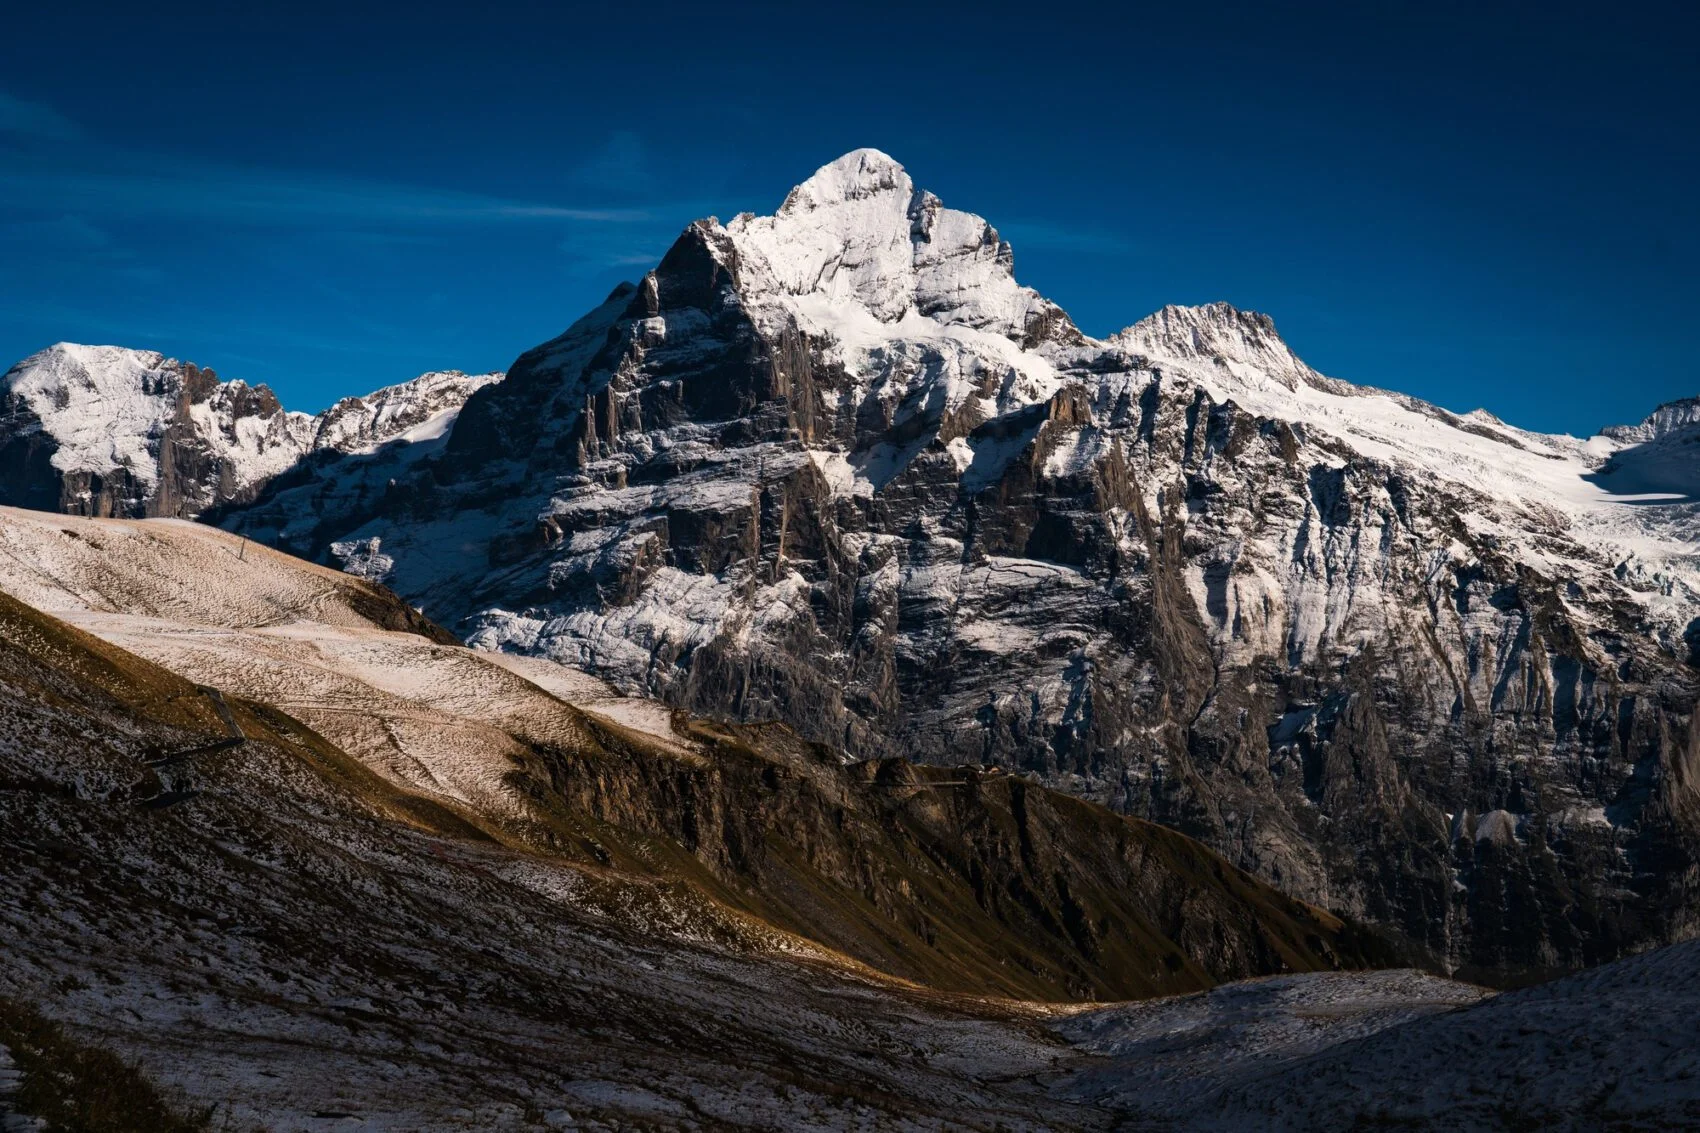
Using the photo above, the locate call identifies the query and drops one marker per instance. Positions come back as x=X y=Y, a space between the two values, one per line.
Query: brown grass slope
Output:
x=949 y=878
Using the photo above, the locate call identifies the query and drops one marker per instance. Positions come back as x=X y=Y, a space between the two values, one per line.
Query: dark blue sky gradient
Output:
x=1492 y=208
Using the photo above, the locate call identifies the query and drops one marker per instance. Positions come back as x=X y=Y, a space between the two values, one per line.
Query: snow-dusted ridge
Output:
x=132 y=432
x=919 y=306
x=421 y=409
x=859 y=255
x=922 y=301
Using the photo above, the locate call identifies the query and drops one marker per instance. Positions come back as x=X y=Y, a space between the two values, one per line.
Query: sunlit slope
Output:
x=181 y=571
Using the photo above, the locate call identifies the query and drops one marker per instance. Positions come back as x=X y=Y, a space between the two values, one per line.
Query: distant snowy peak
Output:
x=357 y=423
x=110 y=431
x=1245 y=344
x=118 y=431
x=1671 y=417
x=97 y=400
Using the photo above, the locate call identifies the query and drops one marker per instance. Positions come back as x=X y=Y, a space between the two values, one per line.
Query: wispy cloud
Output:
x=609 y=254
x=146 y=187
x=35 y=120
x=93 y=177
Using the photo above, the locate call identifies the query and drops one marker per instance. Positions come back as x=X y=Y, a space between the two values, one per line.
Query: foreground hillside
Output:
x=299 y=939
x=645 y=922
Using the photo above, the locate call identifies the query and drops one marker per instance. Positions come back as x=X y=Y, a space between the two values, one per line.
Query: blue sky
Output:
x=1479 y=204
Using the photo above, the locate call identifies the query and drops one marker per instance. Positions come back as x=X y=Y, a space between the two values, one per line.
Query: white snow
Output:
x=108 y=409
x=920 y=304
x=423 y=409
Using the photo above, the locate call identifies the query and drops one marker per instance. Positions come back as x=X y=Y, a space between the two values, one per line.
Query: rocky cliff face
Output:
x=105 y=431
x=836 y=467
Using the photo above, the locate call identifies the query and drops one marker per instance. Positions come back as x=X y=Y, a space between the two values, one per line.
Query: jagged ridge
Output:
x=103 y=430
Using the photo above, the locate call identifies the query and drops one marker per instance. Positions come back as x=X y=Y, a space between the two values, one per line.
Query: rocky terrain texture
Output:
x=217 y=915
x=836 y=468
x=105 y=431
x=950 y=879
x=300 y=946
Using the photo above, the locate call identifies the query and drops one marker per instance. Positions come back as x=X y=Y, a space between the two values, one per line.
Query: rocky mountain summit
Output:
x=837 y=468
x=106 y=431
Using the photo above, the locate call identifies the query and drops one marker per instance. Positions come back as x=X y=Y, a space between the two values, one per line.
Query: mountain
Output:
x=836 y=468
x=101 y=430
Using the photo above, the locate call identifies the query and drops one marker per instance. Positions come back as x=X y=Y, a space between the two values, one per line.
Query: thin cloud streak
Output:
x=85 y=175
x=266 y=197
x=35 y=120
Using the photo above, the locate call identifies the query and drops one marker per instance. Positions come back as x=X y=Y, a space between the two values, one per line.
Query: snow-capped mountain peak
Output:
x=1671 y=417
x=858 y=175
x=859 y=233
x=107 y=430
